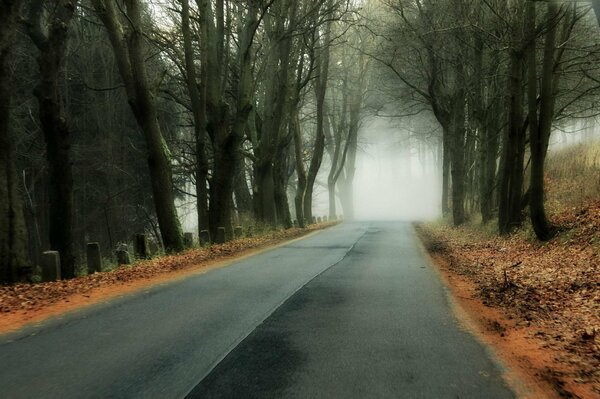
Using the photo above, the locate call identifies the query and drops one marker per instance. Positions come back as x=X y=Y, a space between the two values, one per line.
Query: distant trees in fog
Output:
x=497 y=76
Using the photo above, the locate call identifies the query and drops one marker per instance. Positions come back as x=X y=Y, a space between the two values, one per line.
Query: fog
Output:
x=396 y=175
x=575 y=132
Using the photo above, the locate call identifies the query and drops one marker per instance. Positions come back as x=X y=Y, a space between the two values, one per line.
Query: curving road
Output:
x=355 y=311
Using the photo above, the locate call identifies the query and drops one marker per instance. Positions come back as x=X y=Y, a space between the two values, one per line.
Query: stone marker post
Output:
x=188 y=240
x=220 y=235
x=204 y=238
x=123 y=257
x=50 y=266
x=94 y=260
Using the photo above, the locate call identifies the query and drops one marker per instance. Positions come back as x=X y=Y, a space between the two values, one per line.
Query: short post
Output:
x=123 y=257
x=50 y=266
x=141 y=246
x=188 y=240
x=220 y=235
x=314 y=220
x=250 y=231
x=204 y=238
x=238 y=232
x=319 y=219
x=94 y=260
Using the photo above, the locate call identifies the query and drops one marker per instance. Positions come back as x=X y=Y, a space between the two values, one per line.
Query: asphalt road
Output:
x=355 y=311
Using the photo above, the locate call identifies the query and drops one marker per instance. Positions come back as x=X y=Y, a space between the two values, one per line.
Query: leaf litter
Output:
x=551 y=289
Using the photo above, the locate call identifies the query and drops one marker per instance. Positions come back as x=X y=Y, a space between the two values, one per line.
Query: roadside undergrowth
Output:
x=22 y=303
x=549 y=291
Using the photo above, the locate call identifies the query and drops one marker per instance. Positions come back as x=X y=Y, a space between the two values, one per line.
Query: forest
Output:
x=120 y=117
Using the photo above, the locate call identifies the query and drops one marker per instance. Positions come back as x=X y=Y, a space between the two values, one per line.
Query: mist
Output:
x=396 y=174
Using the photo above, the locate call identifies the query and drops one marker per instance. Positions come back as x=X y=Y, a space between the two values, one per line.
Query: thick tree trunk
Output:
x=315 y=163
x=276 y=104
x=14 y=265
x=511 y=187
x=52 y=45
x=226 y=158
x=539 y=131
x=227 y=136
x=58 y=150
x=488 y=179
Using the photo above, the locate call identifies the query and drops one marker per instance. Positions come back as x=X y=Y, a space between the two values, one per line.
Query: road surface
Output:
x=355 y=311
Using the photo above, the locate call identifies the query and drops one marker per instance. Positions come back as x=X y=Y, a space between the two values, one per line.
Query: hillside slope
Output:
x=548 y=293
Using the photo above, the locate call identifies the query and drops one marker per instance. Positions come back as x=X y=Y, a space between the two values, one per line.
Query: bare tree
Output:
x=49 y=31
x=13 y=250
x=125 y=31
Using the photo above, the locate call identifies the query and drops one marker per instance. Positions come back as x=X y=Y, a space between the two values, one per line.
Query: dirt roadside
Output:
x=543 y=360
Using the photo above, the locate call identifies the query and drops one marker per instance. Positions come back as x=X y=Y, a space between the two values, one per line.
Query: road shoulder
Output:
x=29 y=305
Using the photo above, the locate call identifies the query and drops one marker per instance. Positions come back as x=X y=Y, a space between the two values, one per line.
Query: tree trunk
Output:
x=279 y=38
x=13 y=248
x=130 y=60
x=445 y=171
x=322 y=67
x=280 y=180
x=488 y=180
x=226 y=157
x=346 y=190
x=457 y=153
x=539 y=131
x=227 y=138
x=511 y=187
x=53 y=46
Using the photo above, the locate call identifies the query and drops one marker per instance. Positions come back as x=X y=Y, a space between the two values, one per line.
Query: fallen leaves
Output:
x=554 y=286
x=34 y=297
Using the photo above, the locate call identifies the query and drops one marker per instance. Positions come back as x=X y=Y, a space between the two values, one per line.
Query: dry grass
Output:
x=573 y=176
